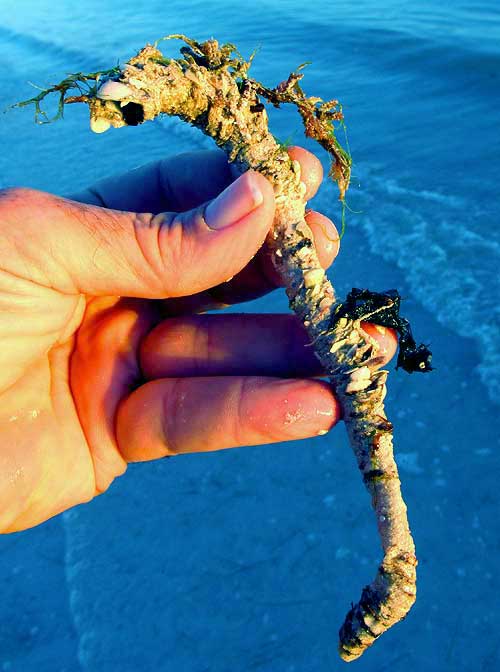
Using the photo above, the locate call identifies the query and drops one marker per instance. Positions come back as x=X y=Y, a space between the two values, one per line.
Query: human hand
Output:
x=105 y=357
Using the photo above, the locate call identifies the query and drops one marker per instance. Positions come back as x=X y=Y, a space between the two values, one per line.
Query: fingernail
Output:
x=236 y=201
x=325 y=232
x=302 y=416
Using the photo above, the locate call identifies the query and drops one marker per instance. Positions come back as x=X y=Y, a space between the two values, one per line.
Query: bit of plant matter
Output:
x=86 y=84
x=209 y=87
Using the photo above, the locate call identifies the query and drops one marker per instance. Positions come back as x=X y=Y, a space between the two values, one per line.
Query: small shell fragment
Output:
x=359 y=380
x=363 y=373
x=112 y=90
x=353 y=336
x=296 y=167
x=303 y=253
x=99 y=125
x=313 y=277
x=357 y=386
x=337 y=345
x=138 y=83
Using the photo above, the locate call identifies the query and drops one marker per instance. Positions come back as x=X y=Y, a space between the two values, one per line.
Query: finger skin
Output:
x=387 y=339
x=190 y=415
x=83 y=249
x=238 y=344
x=103 y=370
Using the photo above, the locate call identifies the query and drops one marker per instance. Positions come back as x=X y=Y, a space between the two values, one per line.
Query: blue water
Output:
x=420 y=87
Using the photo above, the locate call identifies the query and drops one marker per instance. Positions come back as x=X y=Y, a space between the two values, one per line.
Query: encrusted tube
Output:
x=209 y=87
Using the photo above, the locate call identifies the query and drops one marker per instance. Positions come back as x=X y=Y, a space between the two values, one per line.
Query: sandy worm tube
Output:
x=209 y=87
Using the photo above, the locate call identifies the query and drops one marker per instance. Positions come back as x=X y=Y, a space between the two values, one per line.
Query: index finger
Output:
x=182 y=182
x=173 y=184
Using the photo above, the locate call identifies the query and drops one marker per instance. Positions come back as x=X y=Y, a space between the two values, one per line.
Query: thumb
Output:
x=85 y=249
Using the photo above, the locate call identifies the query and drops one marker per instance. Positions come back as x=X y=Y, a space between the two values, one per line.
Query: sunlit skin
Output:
x=91 y=380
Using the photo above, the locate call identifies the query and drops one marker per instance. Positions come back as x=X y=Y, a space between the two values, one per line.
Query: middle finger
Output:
x=235 y=345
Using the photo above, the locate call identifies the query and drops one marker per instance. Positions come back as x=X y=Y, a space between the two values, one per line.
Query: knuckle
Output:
x=177 y=248
x=204 y=343
x=173 y=415
x=155 y=237
x=16 y=193
x=18 y=197
x=241 y=418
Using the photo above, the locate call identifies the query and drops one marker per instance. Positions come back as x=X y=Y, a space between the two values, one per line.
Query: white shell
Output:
x=357 y=386
x=99 y=125
x=353 y=336
x=313 y=277
x=359 y=380
x=363 y=373
x=111 y=90
x=337 y=345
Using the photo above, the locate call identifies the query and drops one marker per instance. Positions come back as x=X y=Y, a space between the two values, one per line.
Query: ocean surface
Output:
x=144 y=578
